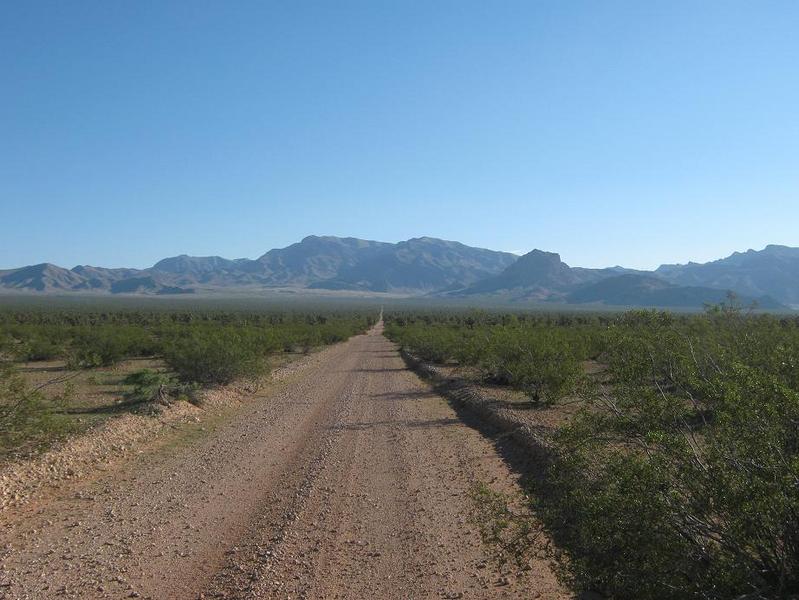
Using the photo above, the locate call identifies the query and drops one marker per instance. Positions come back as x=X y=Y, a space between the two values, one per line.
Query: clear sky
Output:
x=629 y=133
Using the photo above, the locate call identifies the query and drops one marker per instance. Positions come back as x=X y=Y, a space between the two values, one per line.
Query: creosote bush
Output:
x=680 y=476
x=682 y=480
x=540 y=358
x=215 y=356
x=28 y=420
x=150 y=387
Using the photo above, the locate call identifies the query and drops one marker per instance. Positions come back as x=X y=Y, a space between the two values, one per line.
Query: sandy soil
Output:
x=349 y=480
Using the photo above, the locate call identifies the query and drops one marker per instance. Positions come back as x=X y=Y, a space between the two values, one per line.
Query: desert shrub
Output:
x=153 y=387
x=96 y=348
x=540 y=359
x=214 y=356
x=683 y=480
x=90 y=339
x=333 y=335
x=138 y=341
x=308 y=340
x=40 y=348
x=680 y=477
x=435 y=343
x=506 y=526
x=28 y=420
x=7 y=344
x=206 y=346
x=107 y=345
x=541 y=363
x=34 y=343
x=99 y=337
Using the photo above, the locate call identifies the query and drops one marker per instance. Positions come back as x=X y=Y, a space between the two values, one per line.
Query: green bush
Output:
x=542 y=360
x=215 y=356
x=90 y=338
x=105 y=346
x=683 y=481
x=40 y=348
x=541 y=363
x=207 y=346
x=152 y=387
x=680 y=477
x=28 y=421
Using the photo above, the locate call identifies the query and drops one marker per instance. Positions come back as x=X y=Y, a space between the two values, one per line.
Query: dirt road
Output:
x=350 y=480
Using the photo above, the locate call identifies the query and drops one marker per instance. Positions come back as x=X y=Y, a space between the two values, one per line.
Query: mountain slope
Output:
x=145 y=285
x=773 y=271
x=643 y=290
x=416 y=266
x=43 y=277
x=99 y=278
x=543 y=276
x=430 y=266
x=420 y=264
x=194 y=265
x=538 y=275
x=314 y=259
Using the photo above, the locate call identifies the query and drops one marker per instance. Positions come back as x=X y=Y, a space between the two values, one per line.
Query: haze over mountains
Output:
x=429 y=266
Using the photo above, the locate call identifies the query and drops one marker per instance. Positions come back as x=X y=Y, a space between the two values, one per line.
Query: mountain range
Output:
x=432 y=267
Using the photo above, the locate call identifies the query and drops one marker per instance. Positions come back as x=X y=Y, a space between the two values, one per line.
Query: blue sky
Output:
x=629 y=133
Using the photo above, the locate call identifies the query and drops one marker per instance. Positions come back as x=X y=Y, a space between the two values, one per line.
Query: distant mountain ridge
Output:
x=540 y=275
x=773 y=271
x=420 y=265
x=414 y=266
x=646 y=290
x=430 y=266
x=544 y=277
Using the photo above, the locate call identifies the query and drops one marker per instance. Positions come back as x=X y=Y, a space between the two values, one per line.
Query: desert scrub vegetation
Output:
x=227 y=343
x=541 y=356
x=682 y=479
x=506 y=526
x=679 y=477
x=153 y=389
x=191 y=348
x=217 y=356
x=28 y=420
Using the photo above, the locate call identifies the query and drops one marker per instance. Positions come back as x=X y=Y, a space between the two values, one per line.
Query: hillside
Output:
x=41 y=278
x=648 y=291
x=420 y=264
x=539 y=275
x=773 y=271
x=414 y=266
x=430 y=266
x=315 y=259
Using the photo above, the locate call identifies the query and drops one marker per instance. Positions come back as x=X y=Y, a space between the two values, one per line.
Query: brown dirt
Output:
x=348 y=479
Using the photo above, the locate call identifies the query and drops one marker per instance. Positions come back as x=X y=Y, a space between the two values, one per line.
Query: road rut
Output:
x=350 y=480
